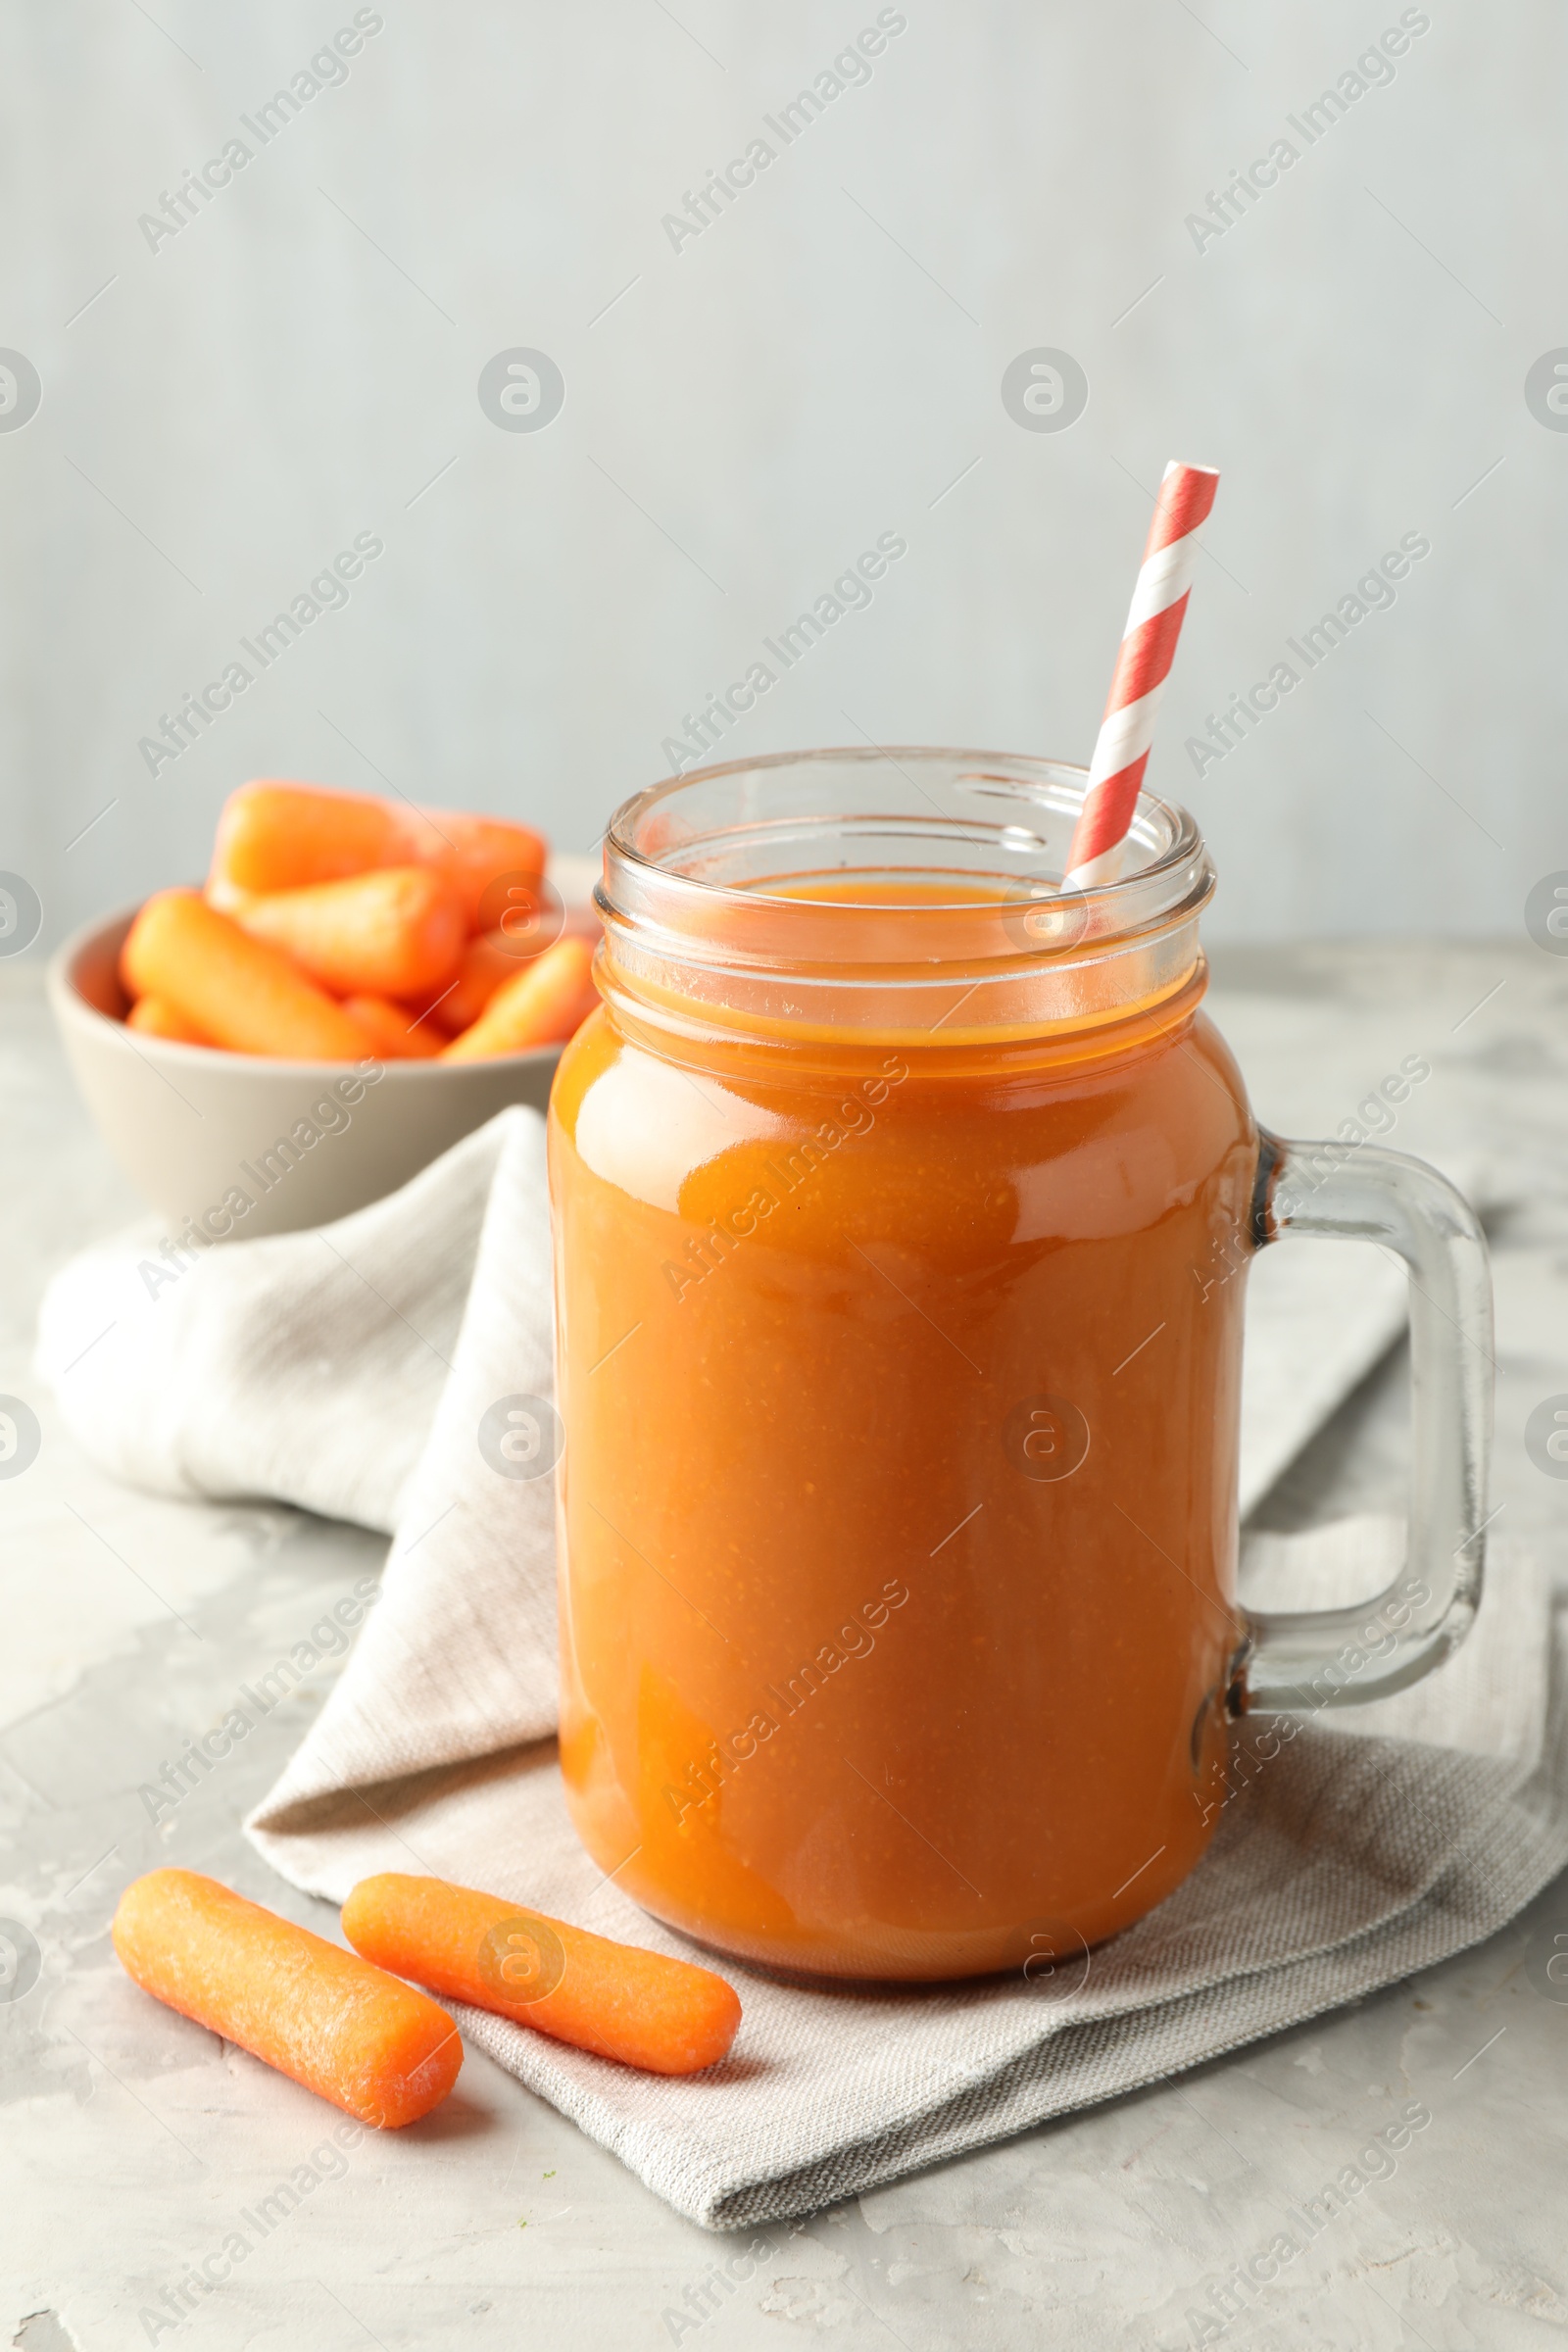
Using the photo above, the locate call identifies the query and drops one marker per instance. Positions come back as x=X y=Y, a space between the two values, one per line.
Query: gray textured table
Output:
x=133 y=2140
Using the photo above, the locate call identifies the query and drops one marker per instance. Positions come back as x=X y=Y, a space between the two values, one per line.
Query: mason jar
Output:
x=904 y=1199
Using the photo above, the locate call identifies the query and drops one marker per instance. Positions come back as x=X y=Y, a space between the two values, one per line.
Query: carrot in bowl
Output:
x=347 y=2030
x=495 y=955
x=155 y=1017
x=487 y=960
x=393 y=1030
x=240 y=992
x=472 y=853
x=616 y=2000
x=277 y=836
x=541 y=1004
x=390 y=933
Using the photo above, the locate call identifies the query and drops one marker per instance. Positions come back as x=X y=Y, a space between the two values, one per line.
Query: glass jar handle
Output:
x=1307 y=1658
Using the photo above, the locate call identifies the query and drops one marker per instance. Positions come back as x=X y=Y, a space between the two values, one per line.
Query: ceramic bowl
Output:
x=244 y=1145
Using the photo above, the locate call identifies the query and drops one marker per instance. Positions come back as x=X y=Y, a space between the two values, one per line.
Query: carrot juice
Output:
x=898 y=1506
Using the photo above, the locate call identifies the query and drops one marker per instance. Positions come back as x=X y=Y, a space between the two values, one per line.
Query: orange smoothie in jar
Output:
x=899 y=1381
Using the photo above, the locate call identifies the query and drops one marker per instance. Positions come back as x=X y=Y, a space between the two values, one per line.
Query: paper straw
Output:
x=1148 y=649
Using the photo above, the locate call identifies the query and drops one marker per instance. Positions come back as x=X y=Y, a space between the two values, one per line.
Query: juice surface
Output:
x=901 y=1386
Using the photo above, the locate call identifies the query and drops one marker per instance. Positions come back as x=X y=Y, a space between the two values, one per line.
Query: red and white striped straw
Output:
x=1148 y=649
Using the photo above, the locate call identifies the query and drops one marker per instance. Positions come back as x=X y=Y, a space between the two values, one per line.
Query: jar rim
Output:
x=911 y=891
x=670 y=874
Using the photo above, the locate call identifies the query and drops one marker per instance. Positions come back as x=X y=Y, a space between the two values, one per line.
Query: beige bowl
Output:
x=247 y=1145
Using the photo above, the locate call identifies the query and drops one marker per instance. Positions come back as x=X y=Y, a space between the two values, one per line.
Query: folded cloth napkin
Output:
x=348 y=1370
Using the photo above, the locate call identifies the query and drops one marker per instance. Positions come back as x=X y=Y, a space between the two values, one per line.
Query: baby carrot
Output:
x=472 y=853
x=274 y=836
x=344 y=2028
x=155 y=1017
x=390 y=933
x=392 y=1029
x=615 y=1999
x=487 y=960
x=278 y=836
x=239 y=992
x=539 y=1006
x=490 y=957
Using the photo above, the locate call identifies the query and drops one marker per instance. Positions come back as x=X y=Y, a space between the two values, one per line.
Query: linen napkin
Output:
x=348 y=1369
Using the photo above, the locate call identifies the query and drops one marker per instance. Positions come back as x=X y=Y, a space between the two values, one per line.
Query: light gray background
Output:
x=818 y=367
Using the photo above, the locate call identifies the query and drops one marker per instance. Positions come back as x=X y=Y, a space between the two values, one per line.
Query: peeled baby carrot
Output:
x=390 y=933
x=616 y=2000
x=472 y=851
x=540 y=1006
x=274 y=836
x=392 y=1029
x=487 y=960
x=344 y=2028
x=155 y=1017
x=277 y=836
x=490 y=957
x=240 y=992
